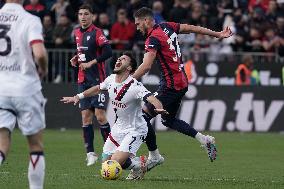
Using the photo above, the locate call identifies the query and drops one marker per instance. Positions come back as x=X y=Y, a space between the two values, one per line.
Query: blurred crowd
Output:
x=258 y=24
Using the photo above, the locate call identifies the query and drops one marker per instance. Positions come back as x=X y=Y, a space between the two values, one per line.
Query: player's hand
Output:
x=85 y=66
x=74 y=61
x=67 y=100
x=41 y=72
x=161 y=111
x=227 y=32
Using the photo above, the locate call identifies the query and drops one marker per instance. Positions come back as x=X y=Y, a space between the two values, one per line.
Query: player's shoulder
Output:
x=94 y=28
x=110 y=78
x=136 y=83
x=77 y=28
x=97 y=28
x=28 y=17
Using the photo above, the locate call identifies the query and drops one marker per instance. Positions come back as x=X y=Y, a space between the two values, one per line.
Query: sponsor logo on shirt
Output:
x=118 y=104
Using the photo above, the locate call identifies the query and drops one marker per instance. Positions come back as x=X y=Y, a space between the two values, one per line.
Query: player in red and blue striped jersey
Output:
x=93 y=49
x=162 y=45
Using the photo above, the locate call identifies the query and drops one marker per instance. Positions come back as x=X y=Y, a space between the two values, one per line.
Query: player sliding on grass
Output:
x=162 y=45
x=130 y=128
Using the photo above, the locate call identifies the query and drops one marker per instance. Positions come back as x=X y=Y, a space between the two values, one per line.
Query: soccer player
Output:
x=23 y=60
x=92 y=50
x=162 y=44
x=130 y=128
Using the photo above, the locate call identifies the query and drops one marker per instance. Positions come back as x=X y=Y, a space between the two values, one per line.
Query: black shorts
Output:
x=98 y=101
x=171 y=100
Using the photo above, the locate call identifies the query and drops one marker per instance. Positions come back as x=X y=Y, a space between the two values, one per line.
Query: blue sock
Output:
x=151 y=136
x=105 y=130
x=88 y=133
x=180 y=126
x=126 y=164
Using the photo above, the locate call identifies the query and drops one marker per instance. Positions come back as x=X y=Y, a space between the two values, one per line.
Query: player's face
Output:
x=141 y=25
x=85 y=17
x=122 y=64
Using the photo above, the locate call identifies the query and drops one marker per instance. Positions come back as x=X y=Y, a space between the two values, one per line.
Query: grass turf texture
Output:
x=244 y=161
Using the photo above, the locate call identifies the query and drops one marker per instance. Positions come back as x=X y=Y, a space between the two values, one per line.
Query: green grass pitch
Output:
x=245 y=160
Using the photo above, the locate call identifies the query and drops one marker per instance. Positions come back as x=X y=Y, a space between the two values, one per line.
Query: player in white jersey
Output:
x=21 y=99
x=130 y=128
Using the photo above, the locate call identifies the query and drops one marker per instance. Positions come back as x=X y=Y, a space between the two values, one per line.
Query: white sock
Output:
x=154 y=154
x=200 y=137
x=36 y=171
x=1 y=159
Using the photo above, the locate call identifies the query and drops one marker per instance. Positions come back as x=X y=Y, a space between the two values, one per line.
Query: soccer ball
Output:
x=111 y=170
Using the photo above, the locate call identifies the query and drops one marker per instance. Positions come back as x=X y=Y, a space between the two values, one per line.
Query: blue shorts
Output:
x=99 y=101
x=171 y=100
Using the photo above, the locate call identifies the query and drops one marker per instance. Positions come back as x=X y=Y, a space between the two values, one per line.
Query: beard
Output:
x=117 y=71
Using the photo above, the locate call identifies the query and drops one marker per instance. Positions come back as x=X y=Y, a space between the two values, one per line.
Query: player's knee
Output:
x=118 y=158
x=101 y=118
x=168 y=122
x=105 y=157
x=87 y=118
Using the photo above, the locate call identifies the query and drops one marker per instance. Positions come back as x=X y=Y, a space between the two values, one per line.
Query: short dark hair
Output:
x=87 y=7
x=144 y=12
x=133 y=62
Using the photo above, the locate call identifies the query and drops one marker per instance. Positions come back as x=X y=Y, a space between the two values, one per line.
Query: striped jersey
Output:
x=163 y=38
x=89 y=44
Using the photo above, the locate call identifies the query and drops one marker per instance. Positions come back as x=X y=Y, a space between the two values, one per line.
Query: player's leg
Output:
x=100 y=104
x=5 y=140
x=36 y=169
x=154 y=158
x=31 y=121
x=111 y=150
x=130 y=145
x=102 y=120
x=87 y=114
x=7 y=124
x=88 y=134
x=170 y=120
x=128 y=161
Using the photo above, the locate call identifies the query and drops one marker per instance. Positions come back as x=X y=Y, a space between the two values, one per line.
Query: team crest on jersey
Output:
x=103 y=38
x=88 y=37
x=115 y=90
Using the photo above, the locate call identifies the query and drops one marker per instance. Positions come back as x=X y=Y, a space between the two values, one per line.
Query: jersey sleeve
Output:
x=152 y=44
x=141 y=92
x=101 y=38
x=35 y=31
x=175 y=26
x=105 y=84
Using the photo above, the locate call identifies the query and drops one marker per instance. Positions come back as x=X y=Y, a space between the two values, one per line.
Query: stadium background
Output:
x=213 y=103
x=258 y=28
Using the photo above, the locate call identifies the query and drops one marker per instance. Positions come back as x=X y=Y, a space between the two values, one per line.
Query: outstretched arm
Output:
x=148 y=61
x=186 y=29
x=157 y=104
x=87 y=93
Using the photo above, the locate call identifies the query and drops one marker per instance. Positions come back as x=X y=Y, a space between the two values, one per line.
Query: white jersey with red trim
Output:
x=18 y=30
x=126 y=99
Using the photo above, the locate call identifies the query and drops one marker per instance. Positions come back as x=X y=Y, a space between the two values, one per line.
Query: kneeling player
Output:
x=130 y=128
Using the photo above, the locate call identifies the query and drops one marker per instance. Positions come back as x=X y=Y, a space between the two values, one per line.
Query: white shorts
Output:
x=28 y=111
x=125 y=142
